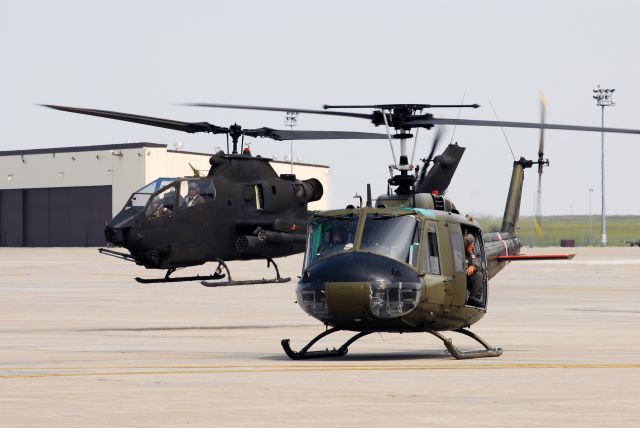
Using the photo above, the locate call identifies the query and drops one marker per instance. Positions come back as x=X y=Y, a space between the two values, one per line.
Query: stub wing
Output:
x=521 y=257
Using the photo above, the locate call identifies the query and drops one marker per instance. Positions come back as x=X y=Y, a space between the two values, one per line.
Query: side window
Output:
x=414 y=246
x=259 y=196
x=207 y=189
x=162 y=203
x=431 y=261
x=458 y=251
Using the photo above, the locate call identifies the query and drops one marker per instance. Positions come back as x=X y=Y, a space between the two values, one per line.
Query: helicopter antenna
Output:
x=359 y=198
x=503 y=133
x=459 y=111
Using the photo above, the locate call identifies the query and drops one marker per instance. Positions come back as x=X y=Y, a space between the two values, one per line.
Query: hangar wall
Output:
x=54 y=217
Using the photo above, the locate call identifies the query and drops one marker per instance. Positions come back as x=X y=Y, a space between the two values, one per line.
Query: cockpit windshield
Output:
x=142 y=195
x=330 y=235
x=393 y=236
x=181 y=195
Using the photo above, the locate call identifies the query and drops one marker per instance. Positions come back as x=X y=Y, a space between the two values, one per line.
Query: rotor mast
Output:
x=396 y=116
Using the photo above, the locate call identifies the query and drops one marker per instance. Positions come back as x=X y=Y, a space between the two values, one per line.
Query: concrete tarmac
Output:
x=82 y=344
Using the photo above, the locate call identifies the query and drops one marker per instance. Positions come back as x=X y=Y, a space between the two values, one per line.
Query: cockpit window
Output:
x=393 y=236
x=142 y=195
x=156 y=185
x=195 y=192
x=329 y=236
x=162 y=203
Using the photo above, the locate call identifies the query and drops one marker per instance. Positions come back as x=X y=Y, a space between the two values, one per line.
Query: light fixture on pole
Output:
x=603 y=99
x=291 y=120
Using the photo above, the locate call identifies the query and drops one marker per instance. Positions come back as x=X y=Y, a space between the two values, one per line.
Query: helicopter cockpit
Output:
x=181 y=194
x=388 y=250
x=397 y=236
x=140 y=197
x=165 y=194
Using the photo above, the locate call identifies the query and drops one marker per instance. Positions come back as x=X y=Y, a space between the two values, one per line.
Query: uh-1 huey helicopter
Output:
x=242 y=209
x=403 y=265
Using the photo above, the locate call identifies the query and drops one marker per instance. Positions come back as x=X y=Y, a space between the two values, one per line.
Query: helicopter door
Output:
x=459 y=274
x=480 y=299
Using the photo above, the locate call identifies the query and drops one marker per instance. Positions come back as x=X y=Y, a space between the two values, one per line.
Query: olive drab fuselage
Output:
x=347 y=288
x=408 y=275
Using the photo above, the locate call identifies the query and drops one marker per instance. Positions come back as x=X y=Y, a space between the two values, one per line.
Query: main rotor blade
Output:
x=285 y=134
x=426 y=121
x=190 y=127
x=409 y=106
x=283 y=109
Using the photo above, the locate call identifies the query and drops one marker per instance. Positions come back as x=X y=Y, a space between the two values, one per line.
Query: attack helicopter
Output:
x=402 y=265
x=242 y=209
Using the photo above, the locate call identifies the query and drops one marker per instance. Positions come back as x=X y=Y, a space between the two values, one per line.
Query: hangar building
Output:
x=62 y=197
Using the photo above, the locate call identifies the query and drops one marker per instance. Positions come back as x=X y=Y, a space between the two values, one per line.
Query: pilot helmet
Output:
x=469 y=240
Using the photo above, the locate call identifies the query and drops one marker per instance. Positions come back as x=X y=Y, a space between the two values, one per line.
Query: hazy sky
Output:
x=144 y=56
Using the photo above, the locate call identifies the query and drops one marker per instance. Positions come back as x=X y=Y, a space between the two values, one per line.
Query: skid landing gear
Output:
x=167 y=277
x=489 y=351
x=230 y=282
x=304 y=353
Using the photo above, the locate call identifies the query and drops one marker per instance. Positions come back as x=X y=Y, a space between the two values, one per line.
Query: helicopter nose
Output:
x=344 y=287
x=118 y=231
x=358 y=267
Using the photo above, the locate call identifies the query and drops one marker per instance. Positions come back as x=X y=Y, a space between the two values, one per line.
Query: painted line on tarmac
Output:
x=274 y=369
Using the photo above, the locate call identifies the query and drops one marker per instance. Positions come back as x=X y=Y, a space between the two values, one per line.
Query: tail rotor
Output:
x=434 y=146
x=542 y=162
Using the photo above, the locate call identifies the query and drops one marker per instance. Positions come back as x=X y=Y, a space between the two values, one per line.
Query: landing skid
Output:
x=167 y=278
x=489 y=351
x=222 y=265
x=304 y=353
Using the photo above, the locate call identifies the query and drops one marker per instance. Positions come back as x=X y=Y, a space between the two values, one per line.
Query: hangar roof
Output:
x=121 y=146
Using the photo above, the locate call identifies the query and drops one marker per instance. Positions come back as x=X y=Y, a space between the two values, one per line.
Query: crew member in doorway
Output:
x=474 y=275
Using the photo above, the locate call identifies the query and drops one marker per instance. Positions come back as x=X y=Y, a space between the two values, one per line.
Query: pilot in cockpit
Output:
x=193 y=198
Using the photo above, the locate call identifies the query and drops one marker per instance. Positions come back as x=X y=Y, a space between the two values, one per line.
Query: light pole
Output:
x=603 y=99
x=590 y=233
x=291 y=120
